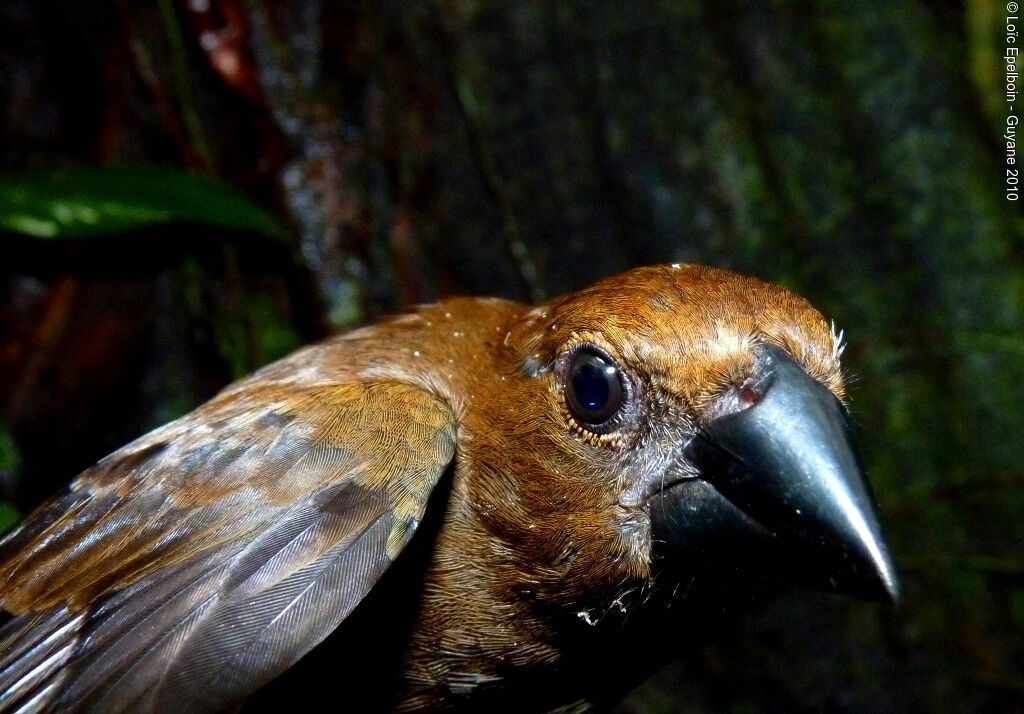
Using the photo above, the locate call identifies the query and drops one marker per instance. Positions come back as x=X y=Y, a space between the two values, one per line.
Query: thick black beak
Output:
x=781 y=494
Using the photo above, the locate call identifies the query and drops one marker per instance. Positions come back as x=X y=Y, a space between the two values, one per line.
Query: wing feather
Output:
x=194 y=565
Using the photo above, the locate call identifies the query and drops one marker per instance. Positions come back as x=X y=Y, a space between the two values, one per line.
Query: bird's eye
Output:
x=594 y=387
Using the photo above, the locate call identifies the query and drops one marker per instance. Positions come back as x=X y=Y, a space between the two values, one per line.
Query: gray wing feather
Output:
x=156 y=599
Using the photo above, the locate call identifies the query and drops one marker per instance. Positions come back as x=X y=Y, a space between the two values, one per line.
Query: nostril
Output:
x=733 y=400
x=749 y=396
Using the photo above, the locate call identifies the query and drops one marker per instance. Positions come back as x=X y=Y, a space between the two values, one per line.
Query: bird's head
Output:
x=676 y=419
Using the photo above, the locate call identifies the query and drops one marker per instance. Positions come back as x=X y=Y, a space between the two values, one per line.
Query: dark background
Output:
x=851 y=151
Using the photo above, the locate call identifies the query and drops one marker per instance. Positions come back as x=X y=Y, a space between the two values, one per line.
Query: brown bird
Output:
x=666 y=435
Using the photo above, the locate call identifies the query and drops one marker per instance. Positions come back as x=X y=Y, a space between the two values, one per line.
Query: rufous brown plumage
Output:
x=595 y=451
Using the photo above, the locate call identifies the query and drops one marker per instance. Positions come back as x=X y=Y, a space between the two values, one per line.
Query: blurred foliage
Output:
x=847 y=150
x=9 y=514
x=985 y=29
x=90 y=201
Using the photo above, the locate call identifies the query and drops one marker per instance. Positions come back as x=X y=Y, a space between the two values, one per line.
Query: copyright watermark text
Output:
x=1012 y=59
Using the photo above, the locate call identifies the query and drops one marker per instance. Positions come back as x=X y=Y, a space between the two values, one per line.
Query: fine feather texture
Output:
x=189 y=568
x=140 y=592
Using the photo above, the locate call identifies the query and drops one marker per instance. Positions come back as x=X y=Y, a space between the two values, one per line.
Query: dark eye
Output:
x=594 y=387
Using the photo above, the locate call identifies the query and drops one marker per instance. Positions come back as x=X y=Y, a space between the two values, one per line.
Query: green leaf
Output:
x=8 y=452
x=9 y=516
x=101 y=200
x=9 y=461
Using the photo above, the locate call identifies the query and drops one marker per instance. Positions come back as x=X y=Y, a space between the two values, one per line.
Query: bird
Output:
x=553 y=481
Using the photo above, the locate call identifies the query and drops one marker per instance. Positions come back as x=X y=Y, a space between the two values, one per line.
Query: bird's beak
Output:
x=781 y=494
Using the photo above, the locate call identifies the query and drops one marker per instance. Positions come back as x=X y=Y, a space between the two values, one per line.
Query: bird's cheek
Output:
x=569 y=545
x=633 y=543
